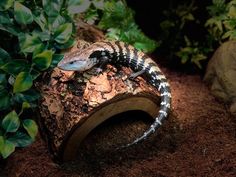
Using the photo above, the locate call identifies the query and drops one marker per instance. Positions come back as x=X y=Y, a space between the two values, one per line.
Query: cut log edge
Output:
x=142 y=102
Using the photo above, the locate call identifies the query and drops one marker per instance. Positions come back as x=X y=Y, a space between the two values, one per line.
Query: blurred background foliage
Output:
x=187 y=31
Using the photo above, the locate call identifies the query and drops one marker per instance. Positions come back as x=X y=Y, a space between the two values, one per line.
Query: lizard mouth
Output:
x=61 y=64
x=76 y=65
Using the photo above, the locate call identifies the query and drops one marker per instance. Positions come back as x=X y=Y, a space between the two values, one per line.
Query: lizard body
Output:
x=121 y=53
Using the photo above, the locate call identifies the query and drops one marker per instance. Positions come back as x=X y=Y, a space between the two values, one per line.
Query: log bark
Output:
x=73 y=104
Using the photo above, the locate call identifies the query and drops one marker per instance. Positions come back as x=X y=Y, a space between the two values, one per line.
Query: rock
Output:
x=221 y=74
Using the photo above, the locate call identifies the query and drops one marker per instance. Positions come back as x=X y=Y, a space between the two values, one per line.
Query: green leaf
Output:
x=41 y=21
x=28 y=43
x=35 y=74
x=3 y=80
x=115 y=33
x=63 y=33
x=43 y=35
x=22 y=14
x=14 y=67
x=4 y=54
x=23 y=82
x=25 y=105
x=7 y=149
x=230 y=24
x=91 y=16
x=52 y=7
x=197 y=58
x=55 y=21
x=21 y=139
x=68 y=44
x=184 y=58
x=43 y=60
x=4 y=99
x=146 y=46
x=5 y=18
x=227 y=34
x=55 y=59
x=188 y=16
x=78 y=6
x=116 y=15
x=233 y=35
x=39 y=49
x=21 y=1
x=12 y=29
x=6 y=4
x=31 y=127
x=166 y=25
x=1 y=144
x=219 y=25
x=232 y=12
x=11 y=122
x=29 y=96
x=137 y=38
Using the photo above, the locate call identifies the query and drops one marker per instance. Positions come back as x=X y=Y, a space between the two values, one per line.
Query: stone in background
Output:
x=221 y=74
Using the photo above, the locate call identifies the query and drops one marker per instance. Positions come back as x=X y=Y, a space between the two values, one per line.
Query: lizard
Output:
x=117 y=52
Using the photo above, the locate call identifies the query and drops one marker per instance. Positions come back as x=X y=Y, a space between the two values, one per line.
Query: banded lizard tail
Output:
x=117 y=52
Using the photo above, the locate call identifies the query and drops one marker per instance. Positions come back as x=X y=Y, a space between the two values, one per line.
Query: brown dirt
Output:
x=199 y=140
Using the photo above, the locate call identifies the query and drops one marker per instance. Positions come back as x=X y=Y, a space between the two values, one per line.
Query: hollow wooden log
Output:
x=73 y=104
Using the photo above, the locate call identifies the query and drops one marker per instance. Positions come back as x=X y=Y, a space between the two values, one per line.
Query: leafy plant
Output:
x=173 y=32
x=219 y=26
x=218 y=13
x=36 y=36
x=223 y=20
x=177 y=17
x=193 y=52
x=118 y=20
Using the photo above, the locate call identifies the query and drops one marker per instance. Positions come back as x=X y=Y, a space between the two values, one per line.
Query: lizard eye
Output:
x=71 y=62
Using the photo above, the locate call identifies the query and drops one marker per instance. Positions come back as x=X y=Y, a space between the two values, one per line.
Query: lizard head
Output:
x=79 y=61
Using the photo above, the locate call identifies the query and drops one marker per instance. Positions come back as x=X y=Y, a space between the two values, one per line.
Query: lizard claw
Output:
x=99 y=70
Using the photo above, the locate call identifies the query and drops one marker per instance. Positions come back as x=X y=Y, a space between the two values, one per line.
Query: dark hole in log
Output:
x=116 y=131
